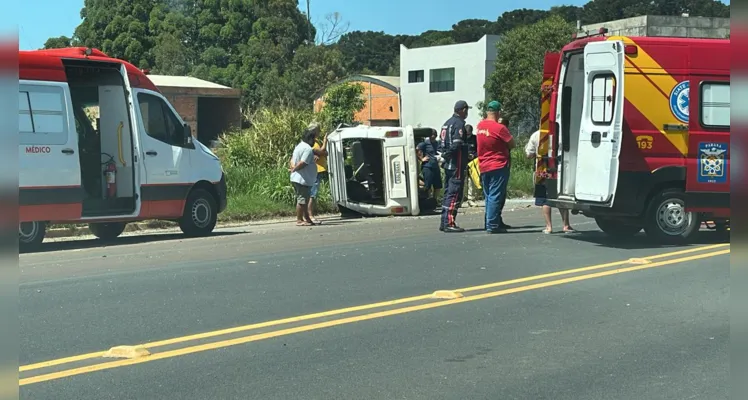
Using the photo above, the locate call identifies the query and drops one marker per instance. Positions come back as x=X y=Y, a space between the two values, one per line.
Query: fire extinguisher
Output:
x=110 y=177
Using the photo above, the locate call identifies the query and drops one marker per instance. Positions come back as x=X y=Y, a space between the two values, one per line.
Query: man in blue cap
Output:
x=455 y=154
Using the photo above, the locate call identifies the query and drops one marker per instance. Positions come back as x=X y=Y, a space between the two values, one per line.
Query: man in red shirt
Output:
x=494 y=144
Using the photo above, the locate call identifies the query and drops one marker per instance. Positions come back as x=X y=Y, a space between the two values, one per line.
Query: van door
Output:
x=708 y=162
x=413 y=167
x=396 y=177
x=336 y=169
x=601 y=128
x=50 y=187
x=165 y=155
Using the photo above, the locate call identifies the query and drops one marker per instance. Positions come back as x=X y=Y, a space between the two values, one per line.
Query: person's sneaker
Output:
x=453 y=229
x=505 y=226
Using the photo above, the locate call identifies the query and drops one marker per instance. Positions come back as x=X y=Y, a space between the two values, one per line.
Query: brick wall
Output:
x=382 y=104
x=186 y=107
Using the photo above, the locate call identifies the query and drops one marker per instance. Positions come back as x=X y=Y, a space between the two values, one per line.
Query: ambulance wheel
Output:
x=615 y=228
x=200 y=214
x=31 y=234
x=107 y=230
x=667 y=220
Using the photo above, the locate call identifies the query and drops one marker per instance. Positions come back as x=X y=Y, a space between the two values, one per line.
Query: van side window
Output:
x=603 y=99
x=159 y=121
x=714 y=105
x=41 y=115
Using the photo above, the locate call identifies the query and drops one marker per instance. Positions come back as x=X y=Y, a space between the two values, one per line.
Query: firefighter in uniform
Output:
x=454 y=151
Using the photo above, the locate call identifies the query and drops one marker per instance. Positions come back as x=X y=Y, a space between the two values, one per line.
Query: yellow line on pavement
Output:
x=348 y=320
x=206 y=335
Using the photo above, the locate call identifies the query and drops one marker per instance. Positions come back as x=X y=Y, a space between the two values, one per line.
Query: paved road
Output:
x=521 y=316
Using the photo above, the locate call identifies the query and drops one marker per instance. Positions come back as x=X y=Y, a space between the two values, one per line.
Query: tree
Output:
x=342 y=102
x=332 y=28
x=518 y=70
x=58 y=42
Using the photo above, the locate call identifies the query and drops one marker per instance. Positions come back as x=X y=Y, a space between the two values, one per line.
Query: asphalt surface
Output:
x=636 y=329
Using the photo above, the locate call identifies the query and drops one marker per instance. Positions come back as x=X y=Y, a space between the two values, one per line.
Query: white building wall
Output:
x=472 y=63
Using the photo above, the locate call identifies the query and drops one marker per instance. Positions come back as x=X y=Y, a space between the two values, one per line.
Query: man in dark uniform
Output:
x=432 y=178
x=455 y=154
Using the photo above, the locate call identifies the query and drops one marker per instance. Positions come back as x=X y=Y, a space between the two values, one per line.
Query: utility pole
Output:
x=309 y=20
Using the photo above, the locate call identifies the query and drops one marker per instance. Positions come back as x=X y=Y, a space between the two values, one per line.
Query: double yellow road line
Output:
x=95 y=362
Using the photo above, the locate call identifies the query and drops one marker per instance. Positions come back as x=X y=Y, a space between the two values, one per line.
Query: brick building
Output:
x=209 y=108
x=382 y=94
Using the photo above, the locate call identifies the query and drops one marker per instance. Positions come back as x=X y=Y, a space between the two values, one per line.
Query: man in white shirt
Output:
x=303 y=171
x=531 y=151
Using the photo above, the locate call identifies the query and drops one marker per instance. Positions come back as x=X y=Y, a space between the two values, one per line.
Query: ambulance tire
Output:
x=667 y=221
x=616 y=229
x=107 y=230
x=31 y=235
x=200 y=214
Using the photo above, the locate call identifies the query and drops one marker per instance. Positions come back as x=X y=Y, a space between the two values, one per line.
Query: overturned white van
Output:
x=374 y=171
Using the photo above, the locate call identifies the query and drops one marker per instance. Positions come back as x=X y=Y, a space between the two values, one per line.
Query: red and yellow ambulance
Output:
x=635 y=132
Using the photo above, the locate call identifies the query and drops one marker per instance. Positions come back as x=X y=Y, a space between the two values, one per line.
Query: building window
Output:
x=442 y=80
x=415 y=76
x=603 y=99
x=715 y=104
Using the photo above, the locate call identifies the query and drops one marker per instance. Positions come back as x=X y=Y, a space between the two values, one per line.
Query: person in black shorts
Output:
x=432 y=177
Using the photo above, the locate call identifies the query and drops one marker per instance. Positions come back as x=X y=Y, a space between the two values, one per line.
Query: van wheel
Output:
x=200 y=214
x=31 y=234
x=667 y=220
x=107 y=230
x=615 y=228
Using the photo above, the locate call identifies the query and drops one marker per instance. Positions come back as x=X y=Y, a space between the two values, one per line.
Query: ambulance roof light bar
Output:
x=589 y=33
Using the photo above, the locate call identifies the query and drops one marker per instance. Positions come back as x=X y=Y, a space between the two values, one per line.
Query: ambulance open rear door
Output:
x=601 y=128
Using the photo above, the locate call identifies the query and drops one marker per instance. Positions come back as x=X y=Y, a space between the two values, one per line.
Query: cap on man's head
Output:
x=493 y=106
x=461 y=105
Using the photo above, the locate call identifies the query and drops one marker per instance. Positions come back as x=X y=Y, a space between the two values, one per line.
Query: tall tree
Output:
x=518 y=70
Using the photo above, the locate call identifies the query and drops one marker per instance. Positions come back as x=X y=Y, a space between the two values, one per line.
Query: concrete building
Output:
x=664 y=26
x=209 y=108
x=432 y=79
x=382 y=94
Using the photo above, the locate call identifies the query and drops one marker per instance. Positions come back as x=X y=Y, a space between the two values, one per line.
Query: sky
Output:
x=60 y=17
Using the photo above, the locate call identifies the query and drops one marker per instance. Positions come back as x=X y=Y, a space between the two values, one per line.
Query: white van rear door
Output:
x=336 y=168
x=599 y=145
x=413 y=167
x=395 y=165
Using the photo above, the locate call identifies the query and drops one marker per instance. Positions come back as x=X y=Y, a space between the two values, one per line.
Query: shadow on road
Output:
x=120 y=241
x=642 y=242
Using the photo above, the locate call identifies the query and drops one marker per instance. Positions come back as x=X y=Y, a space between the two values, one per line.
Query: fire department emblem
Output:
x=679 y=101
x=712 y=163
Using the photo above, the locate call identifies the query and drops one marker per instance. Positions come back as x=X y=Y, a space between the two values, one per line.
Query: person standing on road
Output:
x=472 y=186
x=320 y=158
x=455 y=156
x=494 y=144
x=531 y=151
x=432 y=177
x=303 y=175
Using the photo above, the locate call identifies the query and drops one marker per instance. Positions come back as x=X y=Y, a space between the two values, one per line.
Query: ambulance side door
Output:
x=601 y=129
x=708 y=162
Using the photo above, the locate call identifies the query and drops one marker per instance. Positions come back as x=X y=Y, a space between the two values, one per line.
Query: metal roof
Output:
x=393 y=81
x=183 y=82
